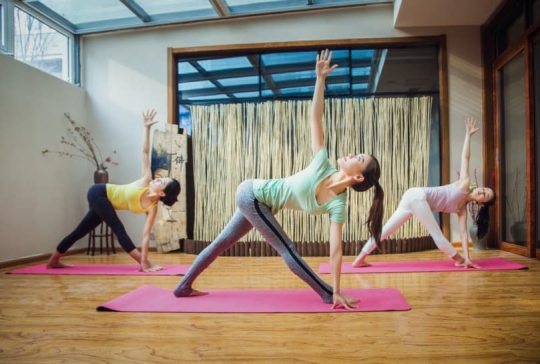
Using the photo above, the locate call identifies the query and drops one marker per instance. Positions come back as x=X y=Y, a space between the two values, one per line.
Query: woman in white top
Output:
x=453 y=198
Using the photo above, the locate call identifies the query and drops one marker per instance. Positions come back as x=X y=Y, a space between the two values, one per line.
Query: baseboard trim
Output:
x=457 y=244
x=36 y=258
x=41 y=257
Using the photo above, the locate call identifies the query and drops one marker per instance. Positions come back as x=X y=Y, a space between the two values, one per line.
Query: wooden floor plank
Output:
x=471 y=317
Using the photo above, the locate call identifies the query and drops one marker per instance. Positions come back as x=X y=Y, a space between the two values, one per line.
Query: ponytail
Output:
x=374 y=221
x=482 y=218
x=372 y=173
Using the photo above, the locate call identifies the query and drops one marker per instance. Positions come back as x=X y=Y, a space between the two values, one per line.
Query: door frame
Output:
x=535 y=39
x=525 y=46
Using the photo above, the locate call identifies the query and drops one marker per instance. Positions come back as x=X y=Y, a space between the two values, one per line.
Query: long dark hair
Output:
x=172 y=190
x=372 y=173
x=482 y=218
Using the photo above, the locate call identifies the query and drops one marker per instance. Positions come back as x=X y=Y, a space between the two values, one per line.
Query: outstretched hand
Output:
x=149 y=118
x=147 y=266
x=348 y=302
x=323 y=64
x=471 y=126
x=467 y=263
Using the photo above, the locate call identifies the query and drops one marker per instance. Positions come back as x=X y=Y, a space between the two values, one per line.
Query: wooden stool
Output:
x=105 y=233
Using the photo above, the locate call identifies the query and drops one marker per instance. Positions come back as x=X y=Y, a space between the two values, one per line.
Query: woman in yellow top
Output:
x=139 y=197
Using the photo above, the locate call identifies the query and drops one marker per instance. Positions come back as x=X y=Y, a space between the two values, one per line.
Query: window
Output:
x=31 y=39
x=291 y=75
x=509 y=33
x=2 y=33
x=535 y=10
x=518 y=17
x=41 y=46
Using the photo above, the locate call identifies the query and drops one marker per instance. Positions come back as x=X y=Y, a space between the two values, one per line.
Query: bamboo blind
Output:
x=235 y=142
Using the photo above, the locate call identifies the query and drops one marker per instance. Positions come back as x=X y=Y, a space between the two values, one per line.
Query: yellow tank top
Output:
x=127 y=197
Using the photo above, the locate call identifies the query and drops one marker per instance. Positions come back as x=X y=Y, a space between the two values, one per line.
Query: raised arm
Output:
x=471 y=128
x=148 y=118
x=323 y=69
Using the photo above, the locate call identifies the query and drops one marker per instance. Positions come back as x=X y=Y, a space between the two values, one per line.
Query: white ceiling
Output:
x=425 y=13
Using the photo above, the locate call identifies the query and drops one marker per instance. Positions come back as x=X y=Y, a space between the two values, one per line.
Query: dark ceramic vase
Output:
x=101 y=176
x=519 y=232
x=478 y=244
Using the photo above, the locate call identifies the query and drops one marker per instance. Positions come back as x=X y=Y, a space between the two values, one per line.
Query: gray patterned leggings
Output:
x=251 y=213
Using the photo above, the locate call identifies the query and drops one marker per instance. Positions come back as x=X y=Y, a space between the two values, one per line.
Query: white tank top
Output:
x=445 y=198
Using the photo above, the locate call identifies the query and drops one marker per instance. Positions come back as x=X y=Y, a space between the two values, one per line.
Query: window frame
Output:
x=9 y=35
x=6 y=33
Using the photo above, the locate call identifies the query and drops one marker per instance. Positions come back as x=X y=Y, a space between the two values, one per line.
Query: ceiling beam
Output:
x=221 y=8
x=268 y=80
x=137 y=10
x=216 y=83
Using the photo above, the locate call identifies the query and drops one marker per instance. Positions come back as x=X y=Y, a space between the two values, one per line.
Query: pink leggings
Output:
x=414 y=203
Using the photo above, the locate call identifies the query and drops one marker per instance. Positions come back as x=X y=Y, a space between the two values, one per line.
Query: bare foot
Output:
x=53 y=265
x=197 y=293
x=360 y=264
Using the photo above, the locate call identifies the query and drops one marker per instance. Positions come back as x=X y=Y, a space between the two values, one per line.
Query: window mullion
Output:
x=7 y=36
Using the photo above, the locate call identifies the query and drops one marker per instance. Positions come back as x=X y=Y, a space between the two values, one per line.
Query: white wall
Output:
x=125 y=73
x=43 y=196
x=465 y=100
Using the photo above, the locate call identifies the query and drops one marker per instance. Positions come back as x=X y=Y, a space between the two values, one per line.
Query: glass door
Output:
x=512 y=134
x=511 y=49
x=536 y=73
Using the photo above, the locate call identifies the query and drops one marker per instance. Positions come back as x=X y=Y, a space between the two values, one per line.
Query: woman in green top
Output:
x=318 y=189
x=141 y=196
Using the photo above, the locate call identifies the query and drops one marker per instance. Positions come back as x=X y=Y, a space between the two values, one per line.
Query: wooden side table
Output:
x=103 y=232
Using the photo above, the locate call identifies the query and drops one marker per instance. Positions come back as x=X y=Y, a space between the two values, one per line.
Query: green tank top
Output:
x=127 y=197
x=297 y=192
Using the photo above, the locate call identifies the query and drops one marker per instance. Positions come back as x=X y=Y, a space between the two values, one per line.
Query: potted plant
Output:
x=516 y=209
x=81 y=145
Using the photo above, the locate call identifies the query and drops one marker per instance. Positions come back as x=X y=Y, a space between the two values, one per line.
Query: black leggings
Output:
x=101 y=209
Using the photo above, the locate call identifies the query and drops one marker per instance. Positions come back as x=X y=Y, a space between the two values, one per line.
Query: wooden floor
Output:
x=456 y=317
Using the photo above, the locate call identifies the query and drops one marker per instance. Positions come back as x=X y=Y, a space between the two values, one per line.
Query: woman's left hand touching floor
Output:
x=467 y=263
x=148 y=266
x=348 y=302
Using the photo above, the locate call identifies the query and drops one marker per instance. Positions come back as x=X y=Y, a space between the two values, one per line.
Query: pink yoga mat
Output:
x=103 y=270
x=153 y=299
x=424 y=266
